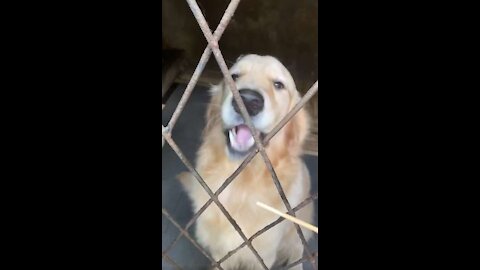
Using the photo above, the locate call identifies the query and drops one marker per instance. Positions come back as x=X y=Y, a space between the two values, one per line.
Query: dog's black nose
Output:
x=253 y=101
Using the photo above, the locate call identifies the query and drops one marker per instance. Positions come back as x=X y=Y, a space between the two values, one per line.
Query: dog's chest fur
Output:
x=239 y=199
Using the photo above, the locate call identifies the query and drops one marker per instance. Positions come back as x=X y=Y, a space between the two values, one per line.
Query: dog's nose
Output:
x=253 y=100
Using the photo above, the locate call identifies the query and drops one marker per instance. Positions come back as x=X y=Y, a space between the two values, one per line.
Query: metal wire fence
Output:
x=213 y=47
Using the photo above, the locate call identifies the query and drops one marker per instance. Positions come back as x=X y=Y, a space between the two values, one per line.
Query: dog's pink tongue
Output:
x=243 y=134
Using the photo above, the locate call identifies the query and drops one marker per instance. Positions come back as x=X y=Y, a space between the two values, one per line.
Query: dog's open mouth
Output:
x=240 y=139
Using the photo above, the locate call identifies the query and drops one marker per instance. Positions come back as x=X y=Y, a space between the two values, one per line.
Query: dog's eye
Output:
x=278 y=85
x=235 y=76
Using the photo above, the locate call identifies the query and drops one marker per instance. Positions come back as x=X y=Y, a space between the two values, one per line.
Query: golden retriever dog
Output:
x=269 y=93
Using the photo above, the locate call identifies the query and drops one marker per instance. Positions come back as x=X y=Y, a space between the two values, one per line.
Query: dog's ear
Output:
x=240 y=57
x=214 y=107
x=297 y=131
x=185 y=180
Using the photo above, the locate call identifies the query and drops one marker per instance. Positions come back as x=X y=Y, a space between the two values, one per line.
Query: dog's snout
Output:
x=252 y=99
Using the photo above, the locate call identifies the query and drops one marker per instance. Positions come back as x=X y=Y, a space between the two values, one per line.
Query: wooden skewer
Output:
x=292 y=219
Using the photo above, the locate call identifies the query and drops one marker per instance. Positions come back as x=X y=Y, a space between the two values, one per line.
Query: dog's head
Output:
x=268 y=92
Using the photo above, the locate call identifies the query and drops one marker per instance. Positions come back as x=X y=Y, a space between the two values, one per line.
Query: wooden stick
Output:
x=293 y=219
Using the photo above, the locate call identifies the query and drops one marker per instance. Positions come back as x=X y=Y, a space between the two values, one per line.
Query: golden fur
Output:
x=254 y=183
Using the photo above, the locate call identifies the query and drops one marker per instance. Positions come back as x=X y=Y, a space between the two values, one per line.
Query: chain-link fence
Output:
x=167 y=136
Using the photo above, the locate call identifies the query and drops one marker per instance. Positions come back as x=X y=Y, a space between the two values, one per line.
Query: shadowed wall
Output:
x=284 y=29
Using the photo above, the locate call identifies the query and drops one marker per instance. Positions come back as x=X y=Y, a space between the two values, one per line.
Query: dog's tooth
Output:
x=233 y=142
x=251 y=141
x=231 y=136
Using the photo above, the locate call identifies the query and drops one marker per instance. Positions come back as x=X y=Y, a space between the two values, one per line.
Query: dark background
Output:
x=287 y=30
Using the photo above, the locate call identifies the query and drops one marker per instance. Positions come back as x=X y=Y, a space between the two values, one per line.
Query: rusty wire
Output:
x=301 y=260
x=169 y=217
x=172 y=262
x=268 y=227
x=256 y=136
x=203 y=61
x=252 y=154
x=166 y=135
x=232 y=221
